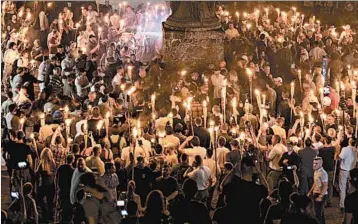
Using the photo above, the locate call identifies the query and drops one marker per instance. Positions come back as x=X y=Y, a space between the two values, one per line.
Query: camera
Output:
x=124 y=213
x=120 y=203
x=15 y=195
x=22 y=165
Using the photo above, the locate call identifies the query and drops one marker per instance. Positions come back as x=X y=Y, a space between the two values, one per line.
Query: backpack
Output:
x=108 y=214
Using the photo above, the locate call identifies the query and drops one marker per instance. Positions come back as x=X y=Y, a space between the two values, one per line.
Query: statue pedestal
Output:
x=192 y=50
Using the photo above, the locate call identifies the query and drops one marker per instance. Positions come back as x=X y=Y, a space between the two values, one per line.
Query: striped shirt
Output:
x=56 y=83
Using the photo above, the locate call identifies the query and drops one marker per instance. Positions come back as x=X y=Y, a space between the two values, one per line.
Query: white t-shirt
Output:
x=192 y=152
x=126 y=152
x=320 y=177
x=221 y=155
x=348 y=158
x=275 y=155
x=210 y=163
x=201 y=175
x=317 y=145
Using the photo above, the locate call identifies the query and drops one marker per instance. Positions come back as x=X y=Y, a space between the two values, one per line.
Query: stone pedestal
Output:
x=192 y=50
x=192 y=36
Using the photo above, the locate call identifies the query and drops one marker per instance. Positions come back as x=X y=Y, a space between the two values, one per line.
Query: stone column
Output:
x=192 y=36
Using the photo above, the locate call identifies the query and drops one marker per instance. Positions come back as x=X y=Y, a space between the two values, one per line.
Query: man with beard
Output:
x=166 y=184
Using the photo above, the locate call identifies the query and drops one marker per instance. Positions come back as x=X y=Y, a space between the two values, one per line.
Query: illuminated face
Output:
x=317 y=164
x=81 y=165
x=165 y=171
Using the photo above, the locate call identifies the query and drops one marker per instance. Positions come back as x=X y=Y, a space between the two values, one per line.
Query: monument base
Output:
x=192 y=50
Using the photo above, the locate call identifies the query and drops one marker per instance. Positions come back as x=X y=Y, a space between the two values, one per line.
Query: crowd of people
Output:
x=91 y=133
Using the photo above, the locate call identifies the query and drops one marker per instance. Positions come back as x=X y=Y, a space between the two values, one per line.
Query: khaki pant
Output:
x=272 y=179
x=343 y=184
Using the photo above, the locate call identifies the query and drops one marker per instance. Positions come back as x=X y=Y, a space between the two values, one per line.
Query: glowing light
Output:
x=99 y=124
x=68 y=122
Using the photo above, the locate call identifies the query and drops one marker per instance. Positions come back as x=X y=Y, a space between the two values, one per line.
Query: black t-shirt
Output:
x=18 y=153
x=166 y=186
x=7 y=147
x=63 y=178
x=189 y=211
x=327 y=154
x=351 y=205
x=243 y=203
x=142 y=180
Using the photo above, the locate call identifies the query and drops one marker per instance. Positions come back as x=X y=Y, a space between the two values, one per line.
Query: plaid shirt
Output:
x=59 y=154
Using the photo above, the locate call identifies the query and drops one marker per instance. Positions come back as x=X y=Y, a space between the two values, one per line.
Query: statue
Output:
x=192 y=15
x=193 y=36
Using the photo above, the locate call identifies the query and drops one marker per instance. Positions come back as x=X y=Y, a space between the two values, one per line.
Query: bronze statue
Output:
x=192 y=15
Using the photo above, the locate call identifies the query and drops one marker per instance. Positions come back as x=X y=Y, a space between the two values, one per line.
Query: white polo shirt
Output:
x=201 y=175
x=320 y=177
x=275 y=155
x=348 y=158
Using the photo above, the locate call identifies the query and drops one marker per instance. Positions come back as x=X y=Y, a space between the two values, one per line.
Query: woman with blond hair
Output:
x=46 y=175
x=131 y=196
x=155 y=209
